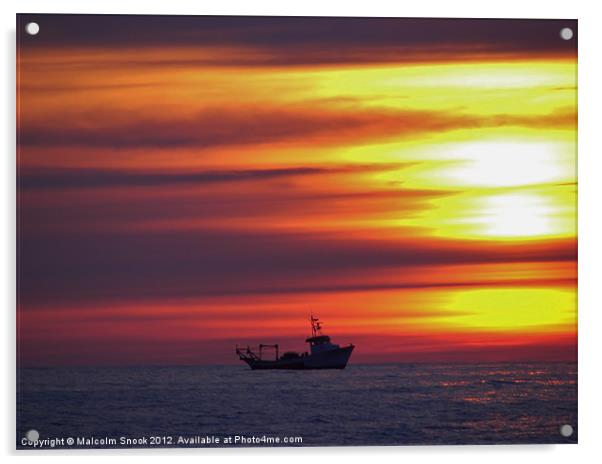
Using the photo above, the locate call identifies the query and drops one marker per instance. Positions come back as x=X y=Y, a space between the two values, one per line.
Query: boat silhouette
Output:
x=323 y=353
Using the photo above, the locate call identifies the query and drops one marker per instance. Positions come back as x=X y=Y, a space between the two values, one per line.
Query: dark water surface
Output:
x=362 y=405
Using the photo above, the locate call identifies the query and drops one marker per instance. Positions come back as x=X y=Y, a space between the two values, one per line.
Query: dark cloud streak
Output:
x=307 y=39
x=69 y=178
x=248 y=126
x=96 y=267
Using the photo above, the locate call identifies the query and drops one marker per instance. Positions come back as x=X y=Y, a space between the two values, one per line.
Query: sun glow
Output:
x=517 y=215
x=512 y=309
x=506 y=163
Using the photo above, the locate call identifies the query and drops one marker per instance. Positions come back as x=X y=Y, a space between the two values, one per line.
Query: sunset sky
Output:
x=189 y=183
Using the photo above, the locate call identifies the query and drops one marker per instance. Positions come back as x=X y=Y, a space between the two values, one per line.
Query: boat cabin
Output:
x=318 y=342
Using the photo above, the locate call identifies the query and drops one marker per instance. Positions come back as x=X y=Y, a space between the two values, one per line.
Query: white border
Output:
x=590 y=211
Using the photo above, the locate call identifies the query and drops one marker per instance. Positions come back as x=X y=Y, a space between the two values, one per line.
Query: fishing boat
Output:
x=323 y=354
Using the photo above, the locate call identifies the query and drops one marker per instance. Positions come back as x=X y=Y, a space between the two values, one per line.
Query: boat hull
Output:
x=332 y=359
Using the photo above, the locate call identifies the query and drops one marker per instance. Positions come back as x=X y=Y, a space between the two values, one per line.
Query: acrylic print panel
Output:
x=295 y=231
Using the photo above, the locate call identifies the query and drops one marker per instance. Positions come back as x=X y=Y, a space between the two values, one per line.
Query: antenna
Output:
x=316 y=326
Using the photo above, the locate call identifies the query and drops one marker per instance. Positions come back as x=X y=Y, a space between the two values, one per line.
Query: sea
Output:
x=233 y=406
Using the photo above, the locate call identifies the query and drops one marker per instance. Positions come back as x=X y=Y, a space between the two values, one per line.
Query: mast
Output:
x=316 y=326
